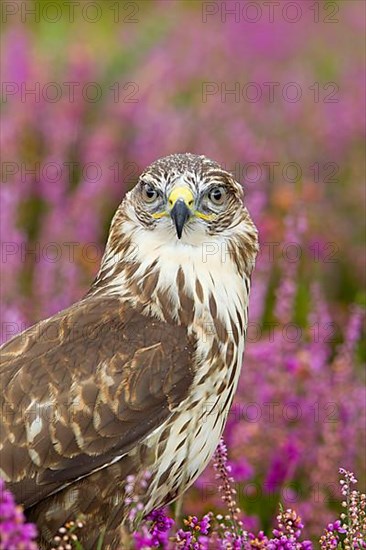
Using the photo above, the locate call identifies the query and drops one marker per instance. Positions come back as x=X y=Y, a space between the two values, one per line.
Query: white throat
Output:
x=196 y=272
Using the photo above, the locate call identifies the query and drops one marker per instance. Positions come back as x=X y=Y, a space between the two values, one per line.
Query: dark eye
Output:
x=149 y=194
x=217 y=195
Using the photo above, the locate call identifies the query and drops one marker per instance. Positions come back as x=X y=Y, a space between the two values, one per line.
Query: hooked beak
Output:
x=181 y=202
x=180 y=214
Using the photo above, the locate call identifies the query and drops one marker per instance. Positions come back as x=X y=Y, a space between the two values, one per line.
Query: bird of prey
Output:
x=140 y=374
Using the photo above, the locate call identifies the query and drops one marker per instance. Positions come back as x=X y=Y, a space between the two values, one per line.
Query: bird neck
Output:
x=176 y=281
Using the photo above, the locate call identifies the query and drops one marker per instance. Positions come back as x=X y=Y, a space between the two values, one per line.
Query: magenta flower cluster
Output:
x=15 y=532
x=155 y=532
x=221 y=532
x=227 y=532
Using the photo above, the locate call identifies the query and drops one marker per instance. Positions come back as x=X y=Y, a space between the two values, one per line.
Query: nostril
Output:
x=190 y=203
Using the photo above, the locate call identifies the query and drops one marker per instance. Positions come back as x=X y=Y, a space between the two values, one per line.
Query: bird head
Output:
x=186 y=194
x=183 y=202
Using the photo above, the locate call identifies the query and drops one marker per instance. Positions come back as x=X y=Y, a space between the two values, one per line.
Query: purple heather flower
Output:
x=15 y=533
x=143 y=539
x=154 y=531
x=194 y=538
x=184 y=539
x=204 y=524
x=161 y=526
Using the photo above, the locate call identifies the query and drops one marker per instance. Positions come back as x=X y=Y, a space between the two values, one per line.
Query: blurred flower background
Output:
x=95 y=91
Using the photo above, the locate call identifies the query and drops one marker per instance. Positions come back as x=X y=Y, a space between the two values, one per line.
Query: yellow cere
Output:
x=181 y=193
x=186 y=194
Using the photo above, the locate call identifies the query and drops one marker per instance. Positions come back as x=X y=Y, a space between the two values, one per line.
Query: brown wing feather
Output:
x=82 y=388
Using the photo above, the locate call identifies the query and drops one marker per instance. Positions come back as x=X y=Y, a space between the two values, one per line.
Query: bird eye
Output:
x=217 y=195
x=149 y=194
